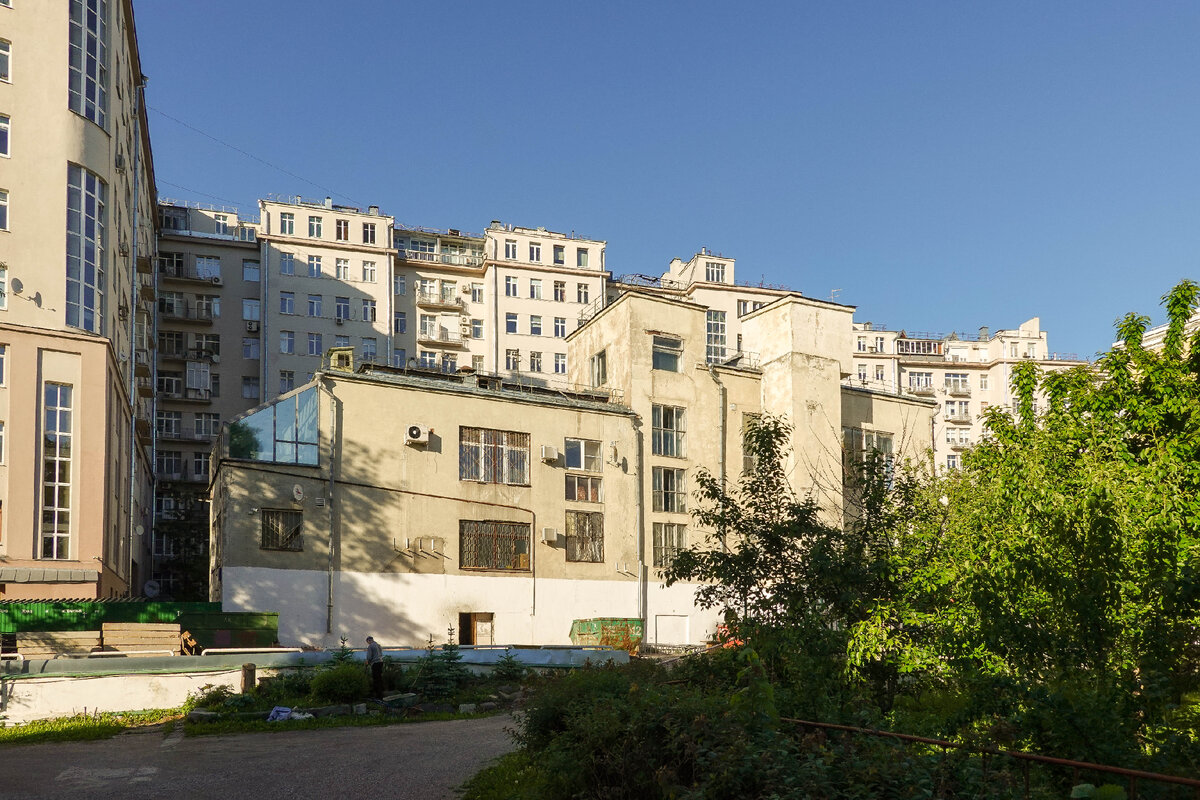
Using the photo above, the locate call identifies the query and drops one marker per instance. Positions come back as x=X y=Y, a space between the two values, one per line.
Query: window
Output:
x=918 y=348
x=250 y=309
x=368 y=271
x=581 y=292
x=535 y=289
x=86 y=256
x=341 y=229
x=314 y=305
x=399 y=357
x=249 y=347
x=477 y=363
x=560 y=363
x=535 y=252
x=314 y=227
x=714 y=272
x=715 y=326
x=314 y=266
x=170 y=304
x=284 y=431
x=510 y=286
x=920 y=380
x=491 y=456
x=428 y=359
x=535 y=361
x=169 y=424
x=56 y=471
x=287 y=302
x=5 y=131
x=287 y=264
x=370 y=348
x=559 y=256
x=585 y=536
x=560 y=327
x=287 y=380
x=201 y=461
x=168 y=464
x=400 y=322
x=493 y=544
x=560 y=291
x=958 y=382
x=476 y=292
x=581 y=259
x=952 y=461
x=3 y=356
x=221 y=224
x=369 y=233
x=449 y=362
x=535 y=325
x=476 y=329
x=287 y=342
x=880 y=375
x=669 y=492
x=983 y=381
x=582 y=454
x=88 y=60
x=208 y=267
x=368 y=309
x=250 y=388
x=510 y=323
x=250 y=271
x=669 y=539
x=600 y=368
x=3 y=210
x=207 y=425
x=282 y=529
x=341 y=269
x=667 y=352
x=341 y=341
x=512 y=359
x=287 y=224
x=399 y=284
x=429 y=327
x=879 y=344
x=341 y=308
x=314 y=344
x=510 y=249
x=862 y=372
x=5 y=60
x=669 y=431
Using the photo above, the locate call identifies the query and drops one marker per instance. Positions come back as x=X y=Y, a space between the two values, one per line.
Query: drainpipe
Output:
x=643 y=567
x=722 y=395
x=133 y=290
x=264 y=277
x=330 y=500
x=495 y=316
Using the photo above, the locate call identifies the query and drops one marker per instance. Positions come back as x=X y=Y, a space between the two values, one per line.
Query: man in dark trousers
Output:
x=375 y=664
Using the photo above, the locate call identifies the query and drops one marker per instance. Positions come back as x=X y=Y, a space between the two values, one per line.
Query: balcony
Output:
x=202 y=396
x=959 y=445
x=184 y=354
x=448 y=259
x=958 y=388
x=958 y=416
x=924 y=390
x=443 y=337
x=144 y=387
x=189 y=313
x=434 y=300
x=174 y=271
x=141 y=362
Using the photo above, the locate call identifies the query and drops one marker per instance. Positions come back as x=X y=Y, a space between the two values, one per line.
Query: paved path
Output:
x=423 y=761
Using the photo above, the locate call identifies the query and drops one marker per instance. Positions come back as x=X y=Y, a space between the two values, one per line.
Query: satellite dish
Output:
x=298 y=493
x=151 y=588
x=16 y=285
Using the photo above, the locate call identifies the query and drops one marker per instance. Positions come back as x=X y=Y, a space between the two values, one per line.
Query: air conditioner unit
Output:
x=549 y=535
x=549 y=453
x=216 y=359
x=251 y=326
x=339 y=320
x=119 y=163
x=216 y=280
x=416 y=434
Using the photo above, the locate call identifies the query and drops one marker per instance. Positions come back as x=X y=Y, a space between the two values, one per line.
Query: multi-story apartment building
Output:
x=507 y=509
x=964 y=373
x=206 y=371
x=77 y=243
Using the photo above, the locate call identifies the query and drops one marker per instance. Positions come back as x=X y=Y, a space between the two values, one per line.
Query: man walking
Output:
x=375 y=664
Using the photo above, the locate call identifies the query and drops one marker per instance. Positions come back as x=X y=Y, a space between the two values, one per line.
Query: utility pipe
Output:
x=723 y=396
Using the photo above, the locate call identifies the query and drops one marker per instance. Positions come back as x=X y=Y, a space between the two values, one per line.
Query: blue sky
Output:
x=944 y=165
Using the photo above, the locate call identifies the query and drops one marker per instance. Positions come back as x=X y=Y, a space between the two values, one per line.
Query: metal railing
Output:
x=451 y=259
x=428 y=298
x=441 y=335
x=1134 y=775
x=191 y=313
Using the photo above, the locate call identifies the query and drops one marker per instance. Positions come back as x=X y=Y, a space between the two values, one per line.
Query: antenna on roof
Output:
x=833 y=294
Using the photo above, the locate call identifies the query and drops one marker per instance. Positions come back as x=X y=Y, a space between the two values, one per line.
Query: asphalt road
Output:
x=423 y=761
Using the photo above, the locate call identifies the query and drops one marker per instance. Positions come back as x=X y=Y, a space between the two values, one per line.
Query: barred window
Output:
x=585 y=536
x=493 y=544
x=669 y=539
x=585 y=489
x=281 y=529
x=669 y=431
x=493 y=456
x=669 y=491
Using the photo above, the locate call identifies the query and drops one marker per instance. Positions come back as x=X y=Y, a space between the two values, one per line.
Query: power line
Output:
x=197 y=191
x=237 y=149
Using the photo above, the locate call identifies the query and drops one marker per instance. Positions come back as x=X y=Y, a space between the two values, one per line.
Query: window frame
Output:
x=488 y=455
x=288 y=524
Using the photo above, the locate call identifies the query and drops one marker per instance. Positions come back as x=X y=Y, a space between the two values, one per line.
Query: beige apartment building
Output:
x=76 y=301
x=401 y=501
x=964 y=373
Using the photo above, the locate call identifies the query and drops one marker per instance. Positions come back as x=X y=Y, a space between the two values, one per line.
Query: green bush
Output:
x=207 y=697
x=508 y=668
x=287 y=686
x=345 y=683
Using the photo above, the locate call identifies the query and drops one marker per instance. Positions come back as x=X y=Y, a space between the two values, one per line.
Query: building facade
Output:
x=76 y=301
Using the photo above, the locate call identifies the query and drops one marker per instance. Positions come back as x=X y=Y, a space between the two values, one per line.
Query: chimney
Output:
x=329 y=202
x=983 y=333
x=373 y=210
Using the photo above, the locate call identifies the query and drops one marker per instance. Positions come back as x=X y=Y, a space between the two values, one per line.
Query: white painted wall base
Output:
x=405 y=609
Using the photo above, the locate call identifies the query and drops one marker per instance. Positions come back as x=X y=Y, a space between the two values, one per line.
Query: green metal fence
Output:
x=85 y=615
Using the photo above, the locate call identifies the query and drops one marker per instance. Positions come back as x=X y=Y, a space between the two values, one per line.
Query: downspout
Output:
x=132 y=388
x=330 y=500
x=264 y=276
x=643 y=568
x=495 y=313
x=722 y=395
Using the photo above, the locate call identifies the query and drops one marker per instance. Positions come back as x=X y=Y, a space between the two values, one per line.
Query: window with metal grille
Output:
x=669 y=539
x=492 y=456
x=493 y=544
x=668 y=431
x=670 y=493
x=282 y=529
x=585 y=536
